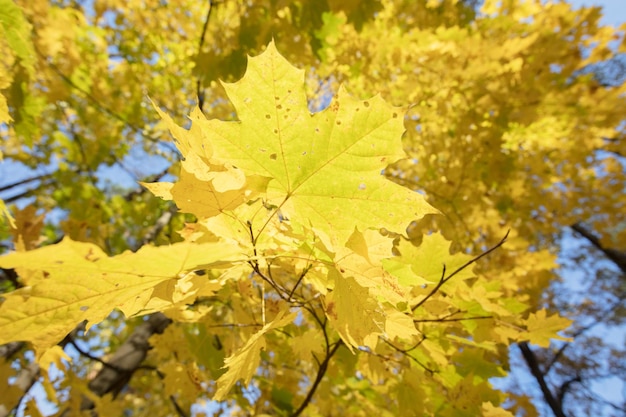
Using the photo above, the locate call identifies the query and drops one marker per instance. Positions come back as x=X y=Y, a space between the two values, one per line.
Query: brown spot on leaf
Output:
x=330 y=310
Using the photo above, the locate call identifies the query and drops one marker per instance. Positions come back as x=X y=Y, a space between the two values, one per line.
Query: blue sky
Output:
x=614 y=11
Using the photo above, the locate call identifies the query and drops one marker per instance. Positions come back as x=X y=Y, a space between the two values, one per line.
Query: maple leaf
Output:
x=354 y=313
x=420 y=265
x=324 y=169
x=541 y=328
x=243 y=364
x=77 y=281
x=206 y=187
x=489 y=410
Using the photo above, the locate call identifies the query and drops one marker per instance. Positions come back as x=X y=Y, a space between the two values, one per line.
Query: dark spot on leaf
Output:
x=280 y=106
x=273 y=157
x=276 y=97
x=338 y=122
x=395 y=115
x=366 y=103
x=276 y=131
x=46 y=274
x=267 y=116
x=357 y=109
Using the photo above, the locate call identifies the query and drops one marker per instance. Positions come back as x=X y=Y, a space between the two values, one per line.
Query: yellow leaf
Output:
x=398 y=324
x=489 y=410
x=53 y=355
x=541 y=328
x=5 y=213
x=77 y=282
x=28 y=226
x=244 y=363
x=5 y=117
x=361 y=259
x=427 y=262
x=353 y=312
x=324 y=169
x=11 y=392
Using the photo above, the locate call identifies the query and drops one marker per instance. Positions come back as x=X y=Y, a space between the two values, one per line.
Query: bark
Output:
x=533 y=365
x=126 y=360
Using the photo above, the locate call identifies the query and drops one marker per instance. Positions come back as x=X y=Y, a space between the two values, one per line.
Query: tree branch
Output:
x=126 y=360
x=618 y=257
x=318 y=378
x=533 y=365
x=25 y=181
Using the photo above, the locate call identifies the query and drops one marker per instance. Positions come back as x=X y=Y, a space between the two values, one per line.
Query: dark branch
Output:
x=25 y=181
x=533 y=365
x=199 y=91
x=126 y=359
x=565 y=388
x=318 y=378
x=405 y=352
x=618 y=257
x=444 y=320
x=177 y=407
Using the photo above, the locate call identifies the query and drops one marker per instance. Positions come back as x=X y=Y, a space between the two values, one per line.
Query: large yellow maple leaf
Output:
x=324 y=169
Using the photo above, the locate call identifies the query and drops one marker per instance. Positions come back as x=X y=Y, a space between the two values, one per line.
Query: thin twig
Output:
x=94 y=358
x=405 y=352
x=25 y=181
x=445 y=279
x=318 y=378
x=443 y=320
x=177 y=407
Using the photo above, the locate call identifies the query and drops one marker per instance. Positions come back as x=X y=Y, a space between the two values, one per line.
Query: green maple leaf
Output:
x=324 y=169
